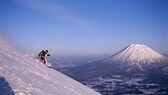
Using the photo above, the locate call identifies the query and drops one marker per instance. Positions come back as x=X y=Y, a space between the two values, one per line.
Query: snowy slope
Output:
x=136 y=53
x=22 y=75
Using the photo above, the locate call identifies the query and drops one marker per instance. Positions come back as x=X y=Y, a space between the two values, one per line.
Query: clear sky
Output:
x=85 y=26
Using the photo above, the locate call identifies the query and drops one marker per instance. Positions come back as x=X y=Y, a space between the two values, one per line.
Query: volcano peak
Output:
x=138 y=53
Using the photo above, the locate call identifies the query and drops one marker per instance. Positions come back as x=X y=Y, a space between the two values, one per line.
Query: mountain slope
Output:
x=22 y=75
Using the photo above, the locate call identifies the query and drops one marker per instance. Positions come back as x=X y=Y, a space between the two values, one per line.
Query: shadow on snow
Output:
x=5 y=88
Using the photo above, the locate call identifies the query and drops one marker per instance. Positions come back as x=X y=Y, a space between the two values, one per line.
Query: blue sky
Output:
x=85 y=26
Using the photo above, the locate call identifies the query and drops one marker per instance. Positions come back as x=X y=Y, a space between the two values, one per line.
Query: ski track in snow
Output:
x=23 y=75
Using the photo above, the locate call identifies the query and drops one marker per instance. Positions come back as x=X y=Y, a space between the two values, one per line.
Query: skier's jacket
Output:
x=42 y=54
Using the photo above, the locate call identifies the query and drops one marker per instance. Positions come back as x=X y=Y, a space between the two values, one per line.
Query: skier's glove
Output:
x=48 y=54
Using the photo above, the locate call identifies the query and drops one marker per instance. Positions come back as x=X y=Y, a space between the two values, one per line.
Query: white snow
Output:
x=23 y=75
x=137 y=53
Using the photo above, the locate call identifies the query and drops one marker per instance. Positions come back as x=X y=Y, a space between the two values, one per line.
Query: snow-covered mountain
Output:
x=136 y=53
x=134 y=59
x=138 y=57
x=23 y=75
x=137 y=69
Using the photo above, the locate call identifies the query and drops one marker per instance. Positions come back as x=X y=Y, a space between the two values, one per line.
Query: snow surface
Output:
x=137 y=53
x=23 y=75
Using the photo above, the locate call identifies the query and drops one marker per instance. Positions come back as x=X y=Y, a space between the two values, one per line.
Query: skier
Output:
x=42 y=55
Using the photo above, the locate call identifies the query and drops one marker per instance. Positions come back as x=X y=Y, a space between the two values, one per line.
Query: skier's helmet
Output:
x=47 y=51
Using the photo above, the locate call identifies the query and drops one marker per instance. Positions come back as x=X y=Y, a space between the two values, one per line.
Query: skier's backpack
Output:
x=41 y=53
